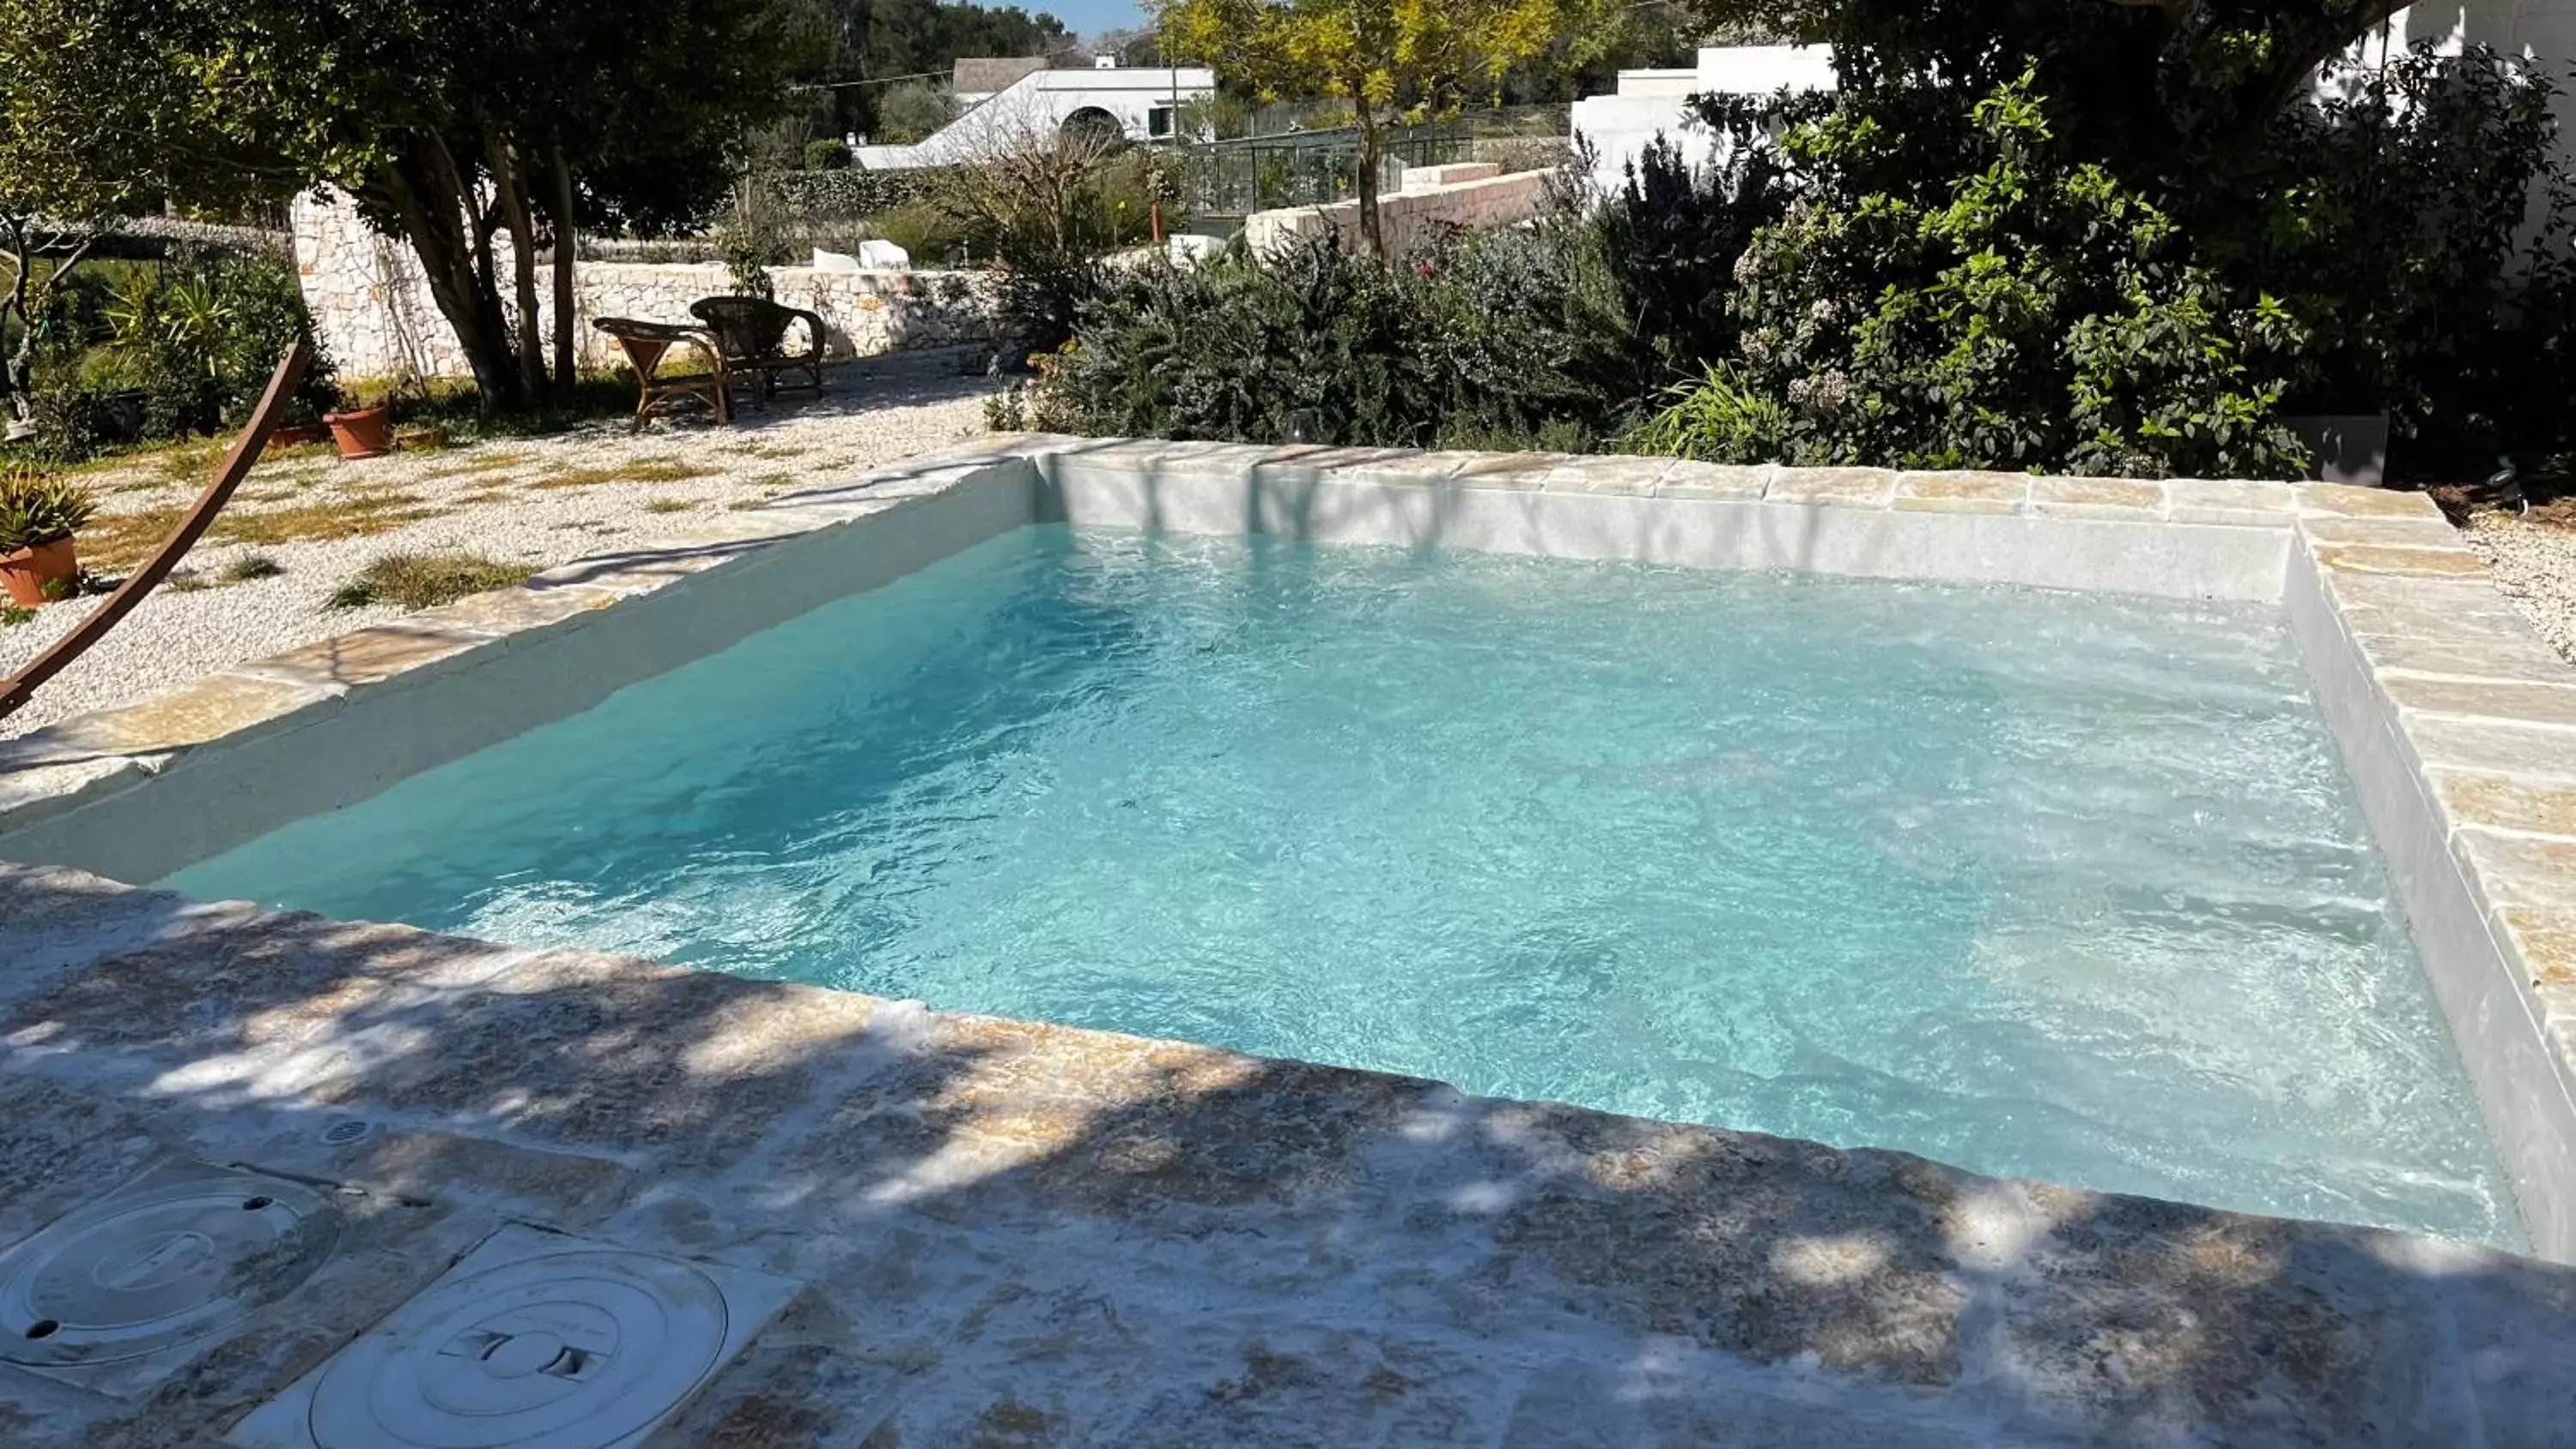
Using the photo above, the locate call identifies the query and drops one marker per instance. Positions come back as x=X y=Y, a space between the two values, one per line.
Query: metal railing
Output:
x=1305 y=168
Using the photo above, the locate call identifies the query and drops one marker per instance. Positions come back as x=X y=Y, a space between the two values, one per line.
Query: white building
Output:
x=1141 y=104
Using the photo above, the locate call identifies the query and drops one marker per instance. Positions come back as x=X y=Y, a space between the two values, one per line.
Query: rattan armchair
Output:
x=647 y=345
x=751 y=334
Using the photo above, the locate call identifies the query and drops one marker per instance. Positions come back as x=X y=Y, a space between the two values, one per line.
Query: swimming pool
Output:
x=1953 y=811
x=2040 y=883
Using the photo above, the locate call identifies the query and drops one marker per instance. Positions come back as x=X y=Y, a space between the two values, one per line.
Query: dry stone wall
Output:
x=372 y=307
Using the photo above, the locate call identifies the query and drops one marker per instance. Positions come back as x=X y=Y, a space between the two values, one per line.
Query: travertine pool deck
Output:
x=1015 y=1234
x=946 y=1230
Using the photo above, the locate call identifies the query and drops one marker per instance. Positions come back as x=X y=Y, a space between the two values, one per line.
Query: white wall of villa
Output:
x=1651 y=103
x=1144 y=102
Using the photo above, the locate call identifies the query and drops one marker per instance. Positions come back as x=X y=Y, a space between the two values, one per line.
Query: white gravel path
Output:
x=2535 y=566
x=490 y=499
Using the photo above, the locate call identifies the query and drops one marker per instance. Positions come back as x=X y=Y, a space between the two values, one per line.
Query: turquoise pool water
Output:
x=2033 y=883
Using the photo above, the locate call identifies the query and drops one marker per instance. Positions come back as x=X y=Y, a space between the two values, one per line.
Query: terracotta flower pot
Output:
x=42 y=574
x=298 y=434
x=363 y=432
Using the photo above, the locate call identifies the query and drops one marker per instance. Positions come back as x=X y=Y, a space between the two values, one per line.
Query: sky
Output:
x=1090 y=17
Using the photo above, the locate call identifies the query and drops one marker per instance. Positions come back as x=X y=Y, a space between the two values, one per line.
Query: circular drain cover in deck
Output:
x=170 y=1259
x=571 y=1350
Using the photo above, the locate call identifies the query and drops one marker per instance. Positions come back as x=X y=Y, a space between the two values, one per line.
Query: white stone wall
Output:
x=1470 y=194
x=372 y=307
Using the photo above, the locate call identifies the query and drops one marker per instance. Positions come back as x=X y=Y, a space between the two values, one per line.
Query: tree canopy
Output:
x=885 y=41
x=2344 y=239
x=2157 y=77
x=450 y=121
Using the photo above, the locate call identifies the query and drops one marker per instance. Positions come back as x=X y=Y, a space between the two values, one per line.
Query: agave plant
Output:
x=35 y=511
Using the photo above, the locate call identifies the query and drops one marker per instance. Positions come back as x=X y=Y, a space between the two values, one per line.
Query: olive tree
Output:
x=450 y=122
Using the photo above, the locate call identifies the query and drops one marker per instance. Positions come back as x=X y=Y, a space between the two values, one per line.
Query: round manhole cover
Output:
x=158 y=1265
x=572 y=1350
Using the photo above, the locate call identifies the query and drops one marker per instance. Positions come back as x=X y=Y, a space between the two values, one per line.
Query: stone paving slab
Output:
x=1962 y=492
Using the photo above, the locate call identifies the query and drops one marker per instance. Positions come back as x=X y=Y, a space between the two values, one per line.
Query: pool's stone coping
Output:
x=2475 y=718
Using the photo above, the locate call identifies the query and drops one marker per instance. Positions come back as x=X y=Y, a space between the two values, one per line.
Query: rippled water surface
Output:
x=2033 y=883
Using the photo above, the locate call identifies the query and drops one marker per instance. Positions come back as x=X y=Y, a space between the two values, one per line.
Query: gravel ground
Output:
x=537 y=502
x=2535 y=566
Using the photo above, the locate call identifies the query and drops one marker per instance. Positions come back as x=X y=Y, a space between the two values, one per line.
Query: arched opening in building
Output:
x=1092 y=126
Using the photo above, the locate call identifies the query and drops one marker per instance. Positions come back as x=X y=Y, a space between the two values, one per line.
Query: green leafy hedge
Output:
x=2032 y=311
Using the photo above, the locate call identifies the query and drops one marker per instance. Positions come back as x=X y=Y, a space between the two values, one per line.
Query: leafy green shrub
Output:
x=913 y=110
x=829 y=153
x=36 y=510
x=170 y=350
x=749 y=251
x=2024 y=310
x=2397 y=223
x=2377 y=250
x=1482 y=338
x=1673 y=235
x=924 y=230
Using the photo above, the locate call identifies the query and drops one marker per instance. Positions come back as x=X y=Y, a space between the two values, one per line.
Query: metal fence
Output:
x=1305 y=168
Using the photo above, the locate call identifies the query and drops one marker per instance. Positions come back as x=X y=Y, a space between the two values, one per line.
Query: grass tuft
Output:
x=122 y=540
x=649 y=470
x=424 y=581
x=668 y=505
x=195 y=462
x=357 y=517
x=478 y=464
x=252 y=567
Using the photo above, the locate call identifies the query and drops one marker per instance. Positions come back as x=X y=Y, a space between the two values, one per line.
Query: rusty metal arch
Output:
x=19 y=688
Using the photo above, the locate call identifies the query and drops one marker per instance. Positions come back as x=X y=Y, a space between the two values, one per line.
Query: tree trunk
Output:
x=1371 y=140
x=559 y=171
x=19 y=371
x=435 y=218
x=509 y=195
x=485 y=281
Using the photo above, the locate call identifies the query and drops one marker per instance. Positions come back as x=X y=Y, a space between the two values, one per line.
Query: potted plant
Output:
x=362 y=431
x=38 y=517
